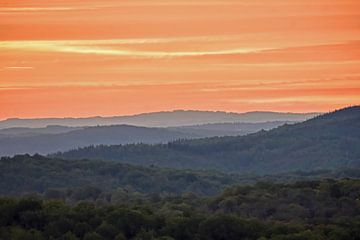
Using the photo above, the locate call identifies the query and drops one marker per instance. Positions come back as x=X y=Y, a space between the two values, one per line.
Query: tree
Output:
x=92 y=236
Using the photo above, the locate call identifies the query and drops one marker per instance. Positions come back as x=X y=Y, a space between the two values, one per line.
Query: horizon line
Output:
x=165 y=111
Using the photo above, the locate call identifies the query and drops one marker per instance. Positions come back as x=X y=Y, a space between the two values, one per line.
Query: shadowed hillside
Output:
x=326 y=142
x=60 y=138
x=120 y=134
x=24 y=174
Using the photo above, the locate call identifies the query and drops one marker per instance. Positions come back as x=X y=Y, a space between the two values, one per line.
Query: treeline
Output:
x=38 y=174
x=93 y=180
x=316 y=210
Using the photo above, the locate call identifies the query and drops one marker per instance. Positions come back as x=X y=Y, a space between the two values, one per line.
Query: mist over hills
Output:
x=27 y=131
x=119 y=134
x=49 y=135
x=161 y=119
x=61 y=138
x=328 y=141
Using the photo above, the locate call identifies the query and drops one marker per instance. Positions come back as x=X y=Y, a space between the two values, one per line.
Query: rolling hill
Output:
x=26 y=131
x=25 y=174
x=329 y=141
x=29 y=174
x=61 y=138
x=120 y=134
x=228 y=129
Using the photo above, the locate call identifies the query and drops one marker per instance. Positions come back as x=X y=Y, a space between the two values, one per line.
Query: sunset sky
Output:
x=72 y=58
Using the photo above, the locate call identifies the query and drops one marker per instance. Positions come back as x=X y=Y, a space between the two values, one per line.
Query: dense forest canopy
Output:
x=315 y=210
x=24 y=174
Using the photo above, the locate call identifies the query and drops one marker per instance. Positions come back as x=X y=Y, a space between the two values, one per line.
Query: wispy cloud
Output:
x=104 y=47
x=100 y=42
x=34 y=9
x=308 y=99
x=204 y=46
x=19 y=67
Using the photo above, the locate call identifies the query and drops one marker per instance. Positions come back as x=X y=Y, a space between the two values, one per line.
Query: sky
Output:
x=72 y=58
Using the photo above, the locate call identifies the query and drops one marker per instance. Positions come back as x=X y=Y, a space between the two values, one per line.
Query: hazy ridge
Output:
x=161 y=119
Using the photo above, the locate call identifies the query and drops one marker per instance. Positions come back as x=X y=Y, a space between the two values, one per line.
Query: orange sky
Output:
x=109 y=57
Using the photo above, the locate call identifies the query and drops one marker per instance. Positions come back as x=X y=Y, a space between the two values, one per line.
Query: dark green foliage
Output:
x=107 y=181
x=92 y=236
x=313 y=200
x=227 y=227
x=315 y=210
x=89 y=179
x=329 y=141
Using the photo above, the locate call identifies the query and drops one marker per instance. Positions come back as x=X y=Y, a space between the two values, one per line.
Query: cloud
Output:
x=100 y=42
x=104 y=47
x=19 y=67
x=35 y=9
x=192 y=47
x=303 y=99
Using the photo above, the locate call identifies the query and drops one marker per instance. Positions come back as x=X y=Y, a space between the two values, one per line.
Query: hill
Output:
x=37 y=174
x=228 y=129
x=79 y=179
x=328 y=141
x=160 y=119
x=120 y=134
x=61 y=138
x=26 y=131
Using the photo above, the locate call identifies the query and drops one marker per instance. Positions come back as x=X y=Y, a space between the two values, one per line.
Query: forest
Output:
x=95 y=179
x=313 y=210
x=295 y=182
x=180 y=120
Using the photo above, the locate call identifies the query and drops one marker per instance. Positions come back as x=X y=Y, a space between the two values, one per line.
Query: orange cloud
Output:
x=76 y=58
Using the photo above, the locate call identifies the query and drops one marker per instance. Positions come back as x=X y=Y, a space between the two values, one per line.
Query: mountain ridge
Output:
x=161 y=119
x=58 y=138
x=326 y=141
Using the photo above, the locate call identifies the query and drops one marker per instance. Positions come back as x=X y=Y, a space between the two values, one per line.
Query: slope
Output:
x=328 y=141
x=120 y=134
x=60 y=138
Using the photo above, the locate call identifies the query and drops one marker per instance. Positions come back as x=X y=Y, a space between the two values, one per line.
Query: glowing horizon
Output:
x=67 y=58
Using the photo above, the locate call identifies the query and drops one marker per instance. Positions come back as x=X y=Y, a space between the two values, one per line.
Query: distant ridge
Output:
x=329 y=141
x=59 y=138
x=161 y=119
x=26 y=131
x=118 y=134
